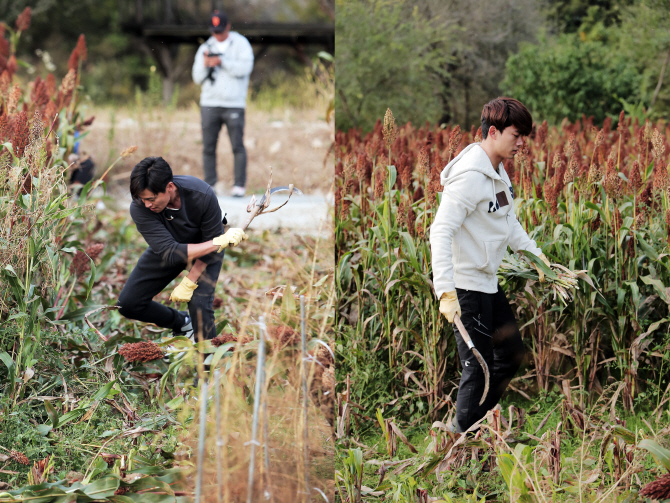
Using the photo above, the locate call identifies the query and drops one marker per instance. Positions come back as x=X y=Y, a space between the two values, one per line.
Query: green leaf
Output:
x=175 y=403
x=593 y=206
x=78 y=314
x=44 y=429
x=53 y=414
x=393 y=174
x=646 y=247
x=625 y=434
x=538 y=262
x=69 y=416
x=91 y=280
x=661 y=455
x=288 y=308
x=7 y=360
x=325 y=55
x=102 y=393
x=220 y=351
x=658 y=286
x=102 y=488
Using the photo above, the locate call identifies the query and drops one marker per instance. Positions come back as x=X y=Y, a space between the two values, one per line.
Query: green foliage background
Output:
x=385 y=51
x=441 y=61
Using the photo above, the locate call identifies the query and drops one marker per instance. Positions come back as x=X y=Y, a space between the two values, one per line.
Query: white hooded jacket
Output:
x=474 y=224
x=231 y=77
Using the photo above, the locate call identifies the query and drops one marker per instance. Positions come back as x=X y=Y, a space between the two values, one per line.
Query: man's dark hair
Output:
x=152 y=173
x=504 y=112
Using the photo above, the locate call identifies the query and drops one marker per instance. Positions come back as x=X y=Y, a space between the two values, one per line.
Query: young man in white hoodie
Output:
x=473 y=227
x=222 y=68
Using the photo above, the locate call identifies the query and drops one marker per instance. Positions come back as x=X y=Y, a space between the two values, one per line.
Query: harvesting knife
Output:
x=478 y=355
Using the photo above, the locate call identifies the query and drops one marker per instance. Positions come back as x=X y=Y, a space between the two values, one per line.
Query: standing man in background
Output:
x=222 y=67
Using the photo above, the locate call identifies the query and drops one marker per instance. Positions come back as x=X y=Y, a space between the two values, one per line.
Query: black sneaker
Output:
x=187 y=329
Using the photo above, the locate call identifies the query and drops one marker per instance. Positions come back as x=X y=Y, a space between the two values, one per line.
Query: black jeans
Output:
x=490 y=323
x=150 y=277
x=212 y=118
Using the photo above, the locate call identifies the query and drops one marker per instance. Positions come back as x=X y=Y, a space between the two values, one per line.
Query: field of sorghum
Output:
x=594 y=198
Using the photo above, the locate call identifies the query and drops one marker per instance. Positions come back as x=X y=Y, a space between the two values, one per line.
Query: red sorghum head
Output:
x=23 y=21
x=144 y=351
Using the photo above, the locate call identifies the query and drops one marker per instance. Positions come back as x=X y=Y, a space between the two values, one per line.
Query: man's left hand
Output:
x=211 y=61
x=184 y=291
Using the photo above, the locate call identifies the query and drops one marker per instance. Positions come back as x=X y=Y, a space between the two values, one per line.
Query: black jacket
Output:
x=169 y=232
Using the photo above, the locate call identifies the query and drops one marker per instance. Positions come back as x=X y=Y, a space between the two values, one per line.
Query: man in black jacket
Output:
x=180 y=219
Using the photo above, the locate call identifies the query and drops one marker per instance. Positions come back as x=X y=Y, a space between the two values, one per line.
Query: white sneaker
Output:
x=186 y=331
x=237 y=191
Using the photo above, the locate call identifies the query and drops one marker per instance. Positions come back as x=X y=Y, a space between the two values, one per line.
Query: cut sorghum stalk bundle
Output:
x=559 y=278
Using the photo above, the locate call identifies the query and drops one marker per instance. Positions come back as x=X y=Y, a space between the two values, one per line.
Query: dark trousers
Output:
x=150 y=277
x=490 y=323
x=212 y=118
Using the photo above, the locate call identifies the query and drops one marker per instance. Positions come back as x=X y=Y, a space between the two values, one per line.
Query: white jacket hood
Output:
x=477 y=160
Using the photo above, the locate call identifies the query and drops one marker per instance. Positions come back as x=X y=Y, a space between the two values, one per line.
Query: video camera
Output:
x=210 y=70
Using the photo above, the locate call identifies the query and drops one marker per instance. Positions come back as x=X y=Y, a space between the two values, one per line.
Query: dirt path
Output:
x=293 y=142
x=306 y=214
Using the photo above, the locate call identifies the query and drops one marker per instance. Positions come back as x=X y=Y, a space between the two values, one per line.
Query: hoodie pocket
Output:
x=494 y=253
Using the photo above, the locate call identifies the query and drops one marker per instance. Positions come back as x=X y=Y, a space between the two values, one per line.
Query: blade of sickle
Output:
x=257 y=207
x=478 y=355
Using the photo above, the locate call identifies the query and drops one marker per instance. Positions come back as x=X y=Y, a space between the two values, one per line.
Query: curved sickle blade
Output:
x=478 y=355
x=283 y=188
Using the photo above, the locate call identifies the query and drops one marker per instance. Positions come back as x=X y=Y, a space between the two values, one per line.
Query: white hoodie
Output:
x=231 y=77
x=474 y=224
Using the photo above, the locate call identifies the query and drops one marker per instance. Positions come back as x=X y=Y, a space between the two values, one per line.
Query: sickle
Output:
x=257 y=207
x=478 y=355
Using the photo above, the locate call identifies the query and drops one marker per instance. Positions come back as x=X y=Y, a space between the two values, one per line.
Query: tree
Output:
x=481 y=36
x=644 y=37
x=572 y=75
x=386 y=55
x=568 y=16
x=442 y=59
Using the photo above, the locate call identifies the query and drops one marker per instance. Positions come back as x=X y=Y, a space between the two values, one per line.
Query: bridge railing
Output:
x=142 y=12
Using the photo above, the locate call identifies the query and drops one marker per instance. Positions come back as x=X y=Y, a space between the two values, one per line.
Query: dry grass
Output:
x=293 y=142
x=257 y=279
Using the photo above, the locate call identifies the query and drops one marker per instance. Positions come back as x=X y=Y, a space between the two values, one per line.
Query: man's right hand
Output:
x=232 y=237
x=449 y=305
x=211 y=61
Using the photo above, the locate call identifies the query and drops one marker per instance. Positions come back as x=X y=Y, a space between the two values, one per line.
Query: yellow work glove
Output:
x=539 y=272
x=233 y=236
x=449 y=305
x=184 y=291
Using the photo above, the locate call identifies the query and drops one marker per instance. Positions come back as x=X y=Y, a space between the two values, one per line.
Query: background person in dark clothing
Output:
x=222 y=68
x=180 y=219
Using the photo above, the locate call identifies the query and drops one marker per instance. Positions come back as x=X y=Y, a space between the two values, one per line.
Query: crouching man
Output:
x=180 y=219
x=469 y=236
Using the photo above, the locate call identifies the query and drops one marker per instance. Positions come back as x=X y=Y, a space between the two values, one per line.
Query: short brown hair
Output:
x=503 y=112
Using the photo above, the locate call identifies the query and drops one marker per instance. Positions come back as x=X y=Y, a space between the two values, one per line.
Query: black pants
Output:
x=150 y=277
x=212 y=118
x=490 y=323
